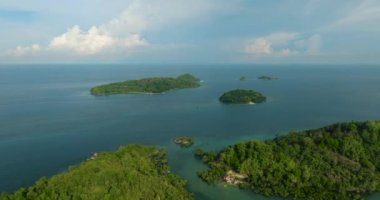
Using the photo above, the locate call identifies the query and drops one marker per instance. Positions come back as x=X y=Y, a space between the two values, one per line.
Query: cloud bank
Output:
x=190 y=31
x=365 y=16
x=93 y=41
x=283 y=44
x=123 y=34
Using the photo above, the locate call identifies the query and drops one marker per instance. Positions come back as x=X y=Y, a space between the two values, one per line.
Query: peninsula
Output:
x=132 y=172
x=340 y=161
x=240 y=96
x=155 y=85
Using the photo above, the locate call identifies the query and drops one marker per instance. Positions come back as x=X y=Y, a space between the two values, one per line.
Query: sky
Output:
x=196 y=31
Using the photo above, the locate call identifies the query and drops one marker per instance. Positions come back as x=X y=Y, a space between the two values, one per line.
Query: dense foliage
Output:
x=148 y=85
x=242 y=96
x=341 y=161
x=132 y=172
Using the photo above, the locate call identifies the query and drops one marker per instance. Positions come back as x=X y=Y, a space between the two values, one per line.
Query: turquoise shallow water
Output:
x=48 y=119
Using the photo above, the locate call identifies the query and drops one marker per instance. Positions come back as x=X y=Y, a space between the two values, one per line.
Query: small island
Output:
x=340 y=161
x=240 y=96
x=267 y=78
x=131 y=172
x=184 y=141
x=243 y=78
x=155 y=85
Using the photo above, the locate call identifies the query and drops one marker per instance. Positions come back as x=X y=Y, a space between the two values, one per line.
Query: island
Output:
x=267 y=78
x=240 y=96
x=243 y=78
x=340 y=161
x=184 y=141
x=155 y=85
x=132 y=172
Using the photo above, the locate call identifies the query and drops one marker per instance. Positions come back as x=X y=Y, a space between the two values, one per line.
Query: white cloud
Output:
x=141 y=15
x=310 y=46
x=314 y=45
x=123 y=34
x=264 y=45
x=281 y=44
x=287 y=52
x=367 y=10
x=259 y=46
x=365 y=15
x=88 y=42
x=92 y=41
x=24 y=50
x=281 y=38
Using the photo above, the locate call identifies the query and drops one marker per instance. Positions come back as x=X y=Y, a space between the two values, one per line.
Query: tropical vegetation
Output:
x=132 y=172
x=240 y=96
x=340 y=161
x=155 y=85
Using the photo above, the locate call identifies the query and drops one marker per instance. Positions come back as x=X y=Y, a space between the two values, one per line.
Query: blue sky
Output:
x=197 y=31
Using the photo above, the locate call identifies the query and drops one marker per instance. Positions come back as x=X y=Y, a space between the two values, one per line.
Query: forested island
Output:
x=340 y=161
x=267 y=78
x=155 y=85
x=242 y=97
x=132 y=172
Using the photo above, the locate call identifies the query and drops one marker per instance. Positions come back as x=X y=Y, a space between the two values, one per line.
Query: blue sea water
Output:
x=49 y=120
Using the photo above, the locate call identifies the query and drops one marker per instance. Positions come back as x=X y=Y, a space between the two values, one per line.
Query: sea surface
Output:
x=49 y=120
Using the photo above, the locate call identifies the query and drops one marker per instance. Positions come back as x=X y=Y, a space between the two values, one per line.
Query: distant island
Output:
x=267 y=78
x=340 y=161
x=240 y=96
x=132 y=172
x=155 y=85
x=243 y=78
x=184 y=141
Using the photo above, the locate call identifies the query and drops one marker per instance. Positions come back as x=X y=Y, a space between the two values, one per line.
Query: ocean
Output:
x=49 y=120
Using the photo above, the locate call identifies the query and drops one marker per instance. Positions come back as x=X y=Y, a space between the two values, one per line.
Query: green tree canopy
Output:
x=154 y=85
x=341 y=161
x=132 y=172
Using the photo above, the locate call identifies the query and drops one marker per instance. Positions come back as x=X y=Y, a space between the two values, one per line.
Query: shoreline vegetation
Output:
x=340 y=161
x=240 y=96
x=184 y=141
x=151 y=86
x=131 y=172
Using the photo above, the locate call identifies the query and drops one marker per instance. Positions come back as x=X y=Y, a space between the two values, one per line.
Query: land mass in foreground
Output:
x=240 y=96
x=132 y=172
x=155 y=85
x=341 y=161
